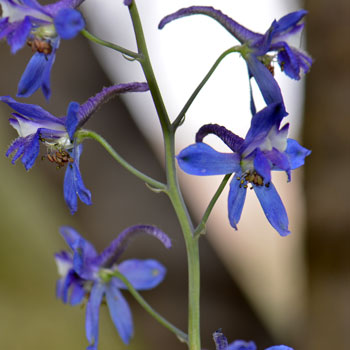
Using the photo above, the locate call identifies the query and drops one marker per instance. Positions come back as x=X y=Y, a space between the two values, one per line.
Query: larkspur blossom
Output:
x=265 y=148
x=42 y=27
x=256 y=47
x=88 y=274
x=222 y=344
x=35 y=125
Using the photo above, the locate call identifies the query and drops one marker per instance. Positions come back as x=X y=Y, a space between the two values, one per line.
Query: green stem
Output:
x=88 y=134
x=201 y=226
x=173 y=189
x=179 y=333
x=115 y=47
x=177 y=122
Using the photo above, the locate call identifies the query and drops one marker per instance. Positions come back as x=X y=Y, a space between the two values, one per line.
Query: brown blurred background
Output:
x=32 y=209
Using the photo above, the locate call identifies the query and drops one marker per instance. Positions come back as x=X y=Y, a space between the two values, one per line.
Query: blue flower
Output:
x=222 y=344
x=42 y=27
x=264 y=148
x=35 y=125
x=88 y=274
x=255 y=47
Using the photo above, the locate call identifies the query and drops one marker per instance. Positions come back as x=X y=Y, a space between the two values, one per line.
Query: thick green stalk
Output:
x=173 y=189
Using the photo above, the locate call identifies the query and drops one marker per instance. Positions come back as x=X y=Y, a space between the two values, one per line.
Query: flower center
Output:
x=253 y=178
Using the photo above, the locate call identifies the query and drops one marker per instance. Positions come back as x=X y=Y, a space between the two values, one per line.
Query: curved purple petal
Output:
x=220 y=340
x=111 y=254
x=120 y=312
x=296 y=153
x=72 y=236
x=201 y=159
x=241 y=33
x=68 y=23
x=279 y=347
x=142 y=274
x=17 y=145
x=236 y=198
x=267 y=84
x=273 y=208
x=31 y=111
x=53 y=9
x=92 y=314
x=242 y=345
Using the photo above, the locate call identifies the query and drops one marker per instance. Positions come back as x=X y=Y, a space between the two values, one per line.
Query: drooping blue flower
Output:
x=265 y=148
x=35 y=125
x=256 y=47
x=88 y=274
x=222 y=344
x=42 y=27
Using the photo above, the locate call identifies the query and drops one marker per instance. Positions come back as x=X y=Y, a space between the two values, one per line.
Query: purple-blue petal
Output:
x=236 y=198
x=111 y=254
x=261 y=124
x=73 y=184
x=142 y=274
x=280 y=161
x=120 y=312
x=72 y=236
x=273 y=208
x=267 y=84
x=45 y=83
x=31 y=150
x=288 y=21
x=242 y=345
x=19 y=33
x=92 y=314
x=72 y=118
x=296 y=153
x=68 y=23
x=32 y=77
x=127 y=2
x=201 y=159
x=279 y=347
x=262 y=165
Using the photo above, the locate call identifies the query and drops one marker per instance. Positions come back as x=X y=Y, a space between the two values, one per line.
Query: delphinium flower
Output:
x=222 y=344
x=88 y=274
x=257 y=48
x=35 y=125
x=41 y=27
x=265 y=148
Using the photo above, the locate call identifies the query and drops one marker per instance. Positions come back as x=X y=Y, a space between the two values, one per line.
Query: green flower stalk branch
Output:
x=179 y=119
x=200 y=229
x=180 y=334
x=110 y=45
x=83 y=134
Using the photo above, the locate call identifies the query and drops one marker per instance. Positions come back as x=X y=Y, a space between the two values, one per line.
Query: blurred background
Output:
x=255 y=286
